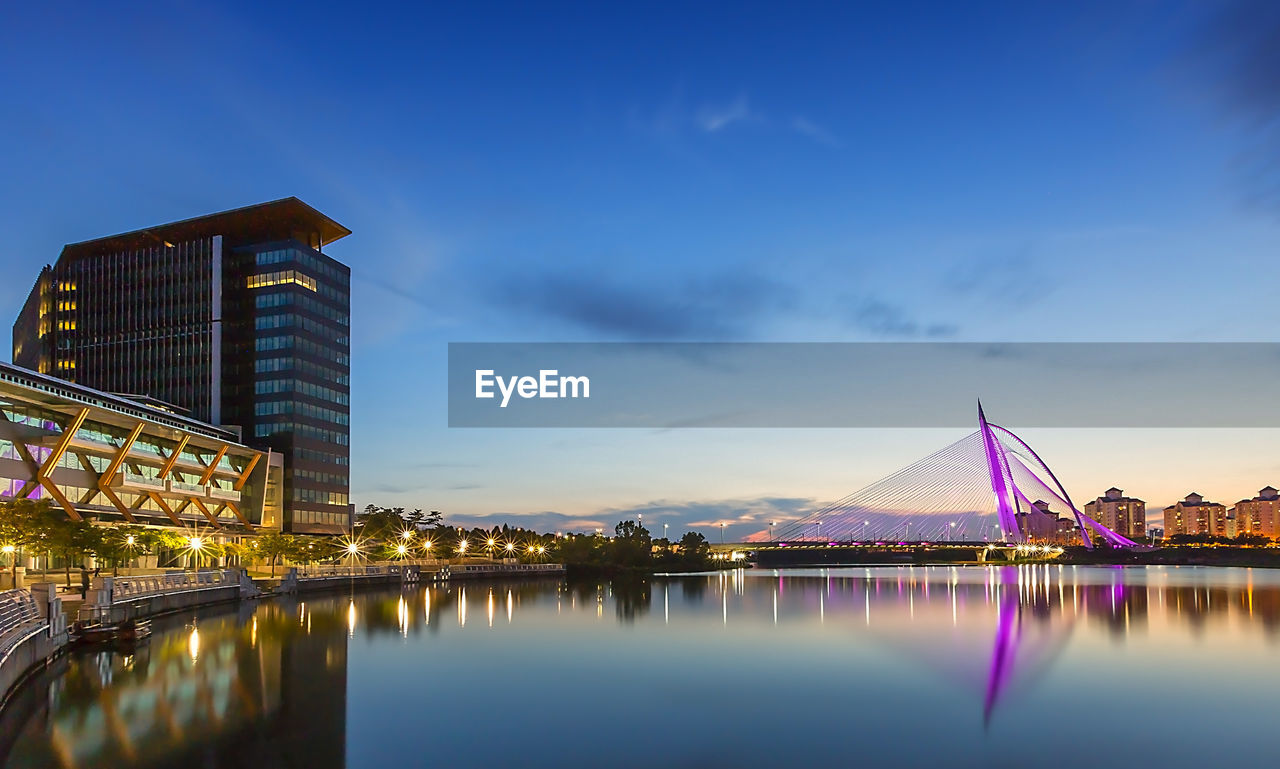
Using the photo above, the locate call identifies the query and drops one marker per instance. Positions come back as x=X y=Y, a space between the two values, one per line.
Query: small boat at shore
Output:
x=129 y=631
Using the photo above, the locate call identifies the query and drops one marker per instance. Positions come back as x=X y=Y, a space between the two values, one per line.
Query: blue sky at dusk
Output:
x=757 y=172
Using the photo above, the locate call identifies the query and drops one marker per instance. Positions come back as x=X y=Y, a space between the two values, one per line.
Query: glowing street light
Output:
x=406 y=534
x=353 y=549
x=402 y=550
x=462 y=546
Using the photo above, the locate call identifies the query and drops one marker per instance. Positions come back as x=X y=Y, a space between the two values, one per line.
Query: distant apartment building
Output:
x=1260 y=515
x=1123 y=515
x=1040 y=524
x=1194 y=515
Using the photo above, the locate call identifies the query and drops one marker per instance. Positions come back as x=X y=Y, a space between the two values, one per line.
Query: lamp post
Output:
x=722 y=532
x=771 y=523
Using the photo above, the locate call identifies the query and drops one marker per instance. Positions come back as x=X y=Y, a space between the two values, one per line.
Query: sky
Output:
x=1092 y=171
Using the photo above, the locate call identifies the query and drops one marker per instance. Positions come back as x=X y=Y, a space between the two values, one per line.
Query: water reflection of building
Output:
x=265 y=686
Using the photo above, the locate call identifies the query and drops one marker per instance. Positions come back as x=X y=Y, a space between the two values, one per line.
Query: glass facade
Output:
x=298 y=300
x=138 y=321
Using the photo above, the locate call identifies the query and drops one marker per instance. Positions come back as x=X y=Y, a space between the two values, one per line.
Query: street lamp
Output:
x=195 y=545
x=722 y=532
x=771 y=523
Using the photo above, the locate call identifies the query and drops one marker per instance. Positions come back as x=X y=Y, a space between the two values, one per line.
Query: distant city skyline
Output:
x=1092 y=172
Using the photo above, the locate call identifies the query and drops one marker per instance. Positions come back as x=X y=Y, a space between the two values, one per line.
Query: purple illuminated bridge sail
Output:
x=988 y=486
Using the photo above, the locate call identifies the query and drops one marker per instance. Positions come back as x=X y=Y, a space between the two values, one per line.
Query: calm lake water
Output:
x=999 y=666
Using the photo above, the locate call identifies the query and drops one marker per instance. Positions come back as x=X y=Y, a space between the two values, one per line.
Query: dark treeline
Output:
x=632 y=548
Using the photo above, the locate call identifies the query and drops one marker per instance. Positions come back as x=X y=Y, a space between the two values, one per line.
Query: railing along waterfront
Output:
x=506 y=568
x=20 y=619
x=130 y=588
x=339 y=570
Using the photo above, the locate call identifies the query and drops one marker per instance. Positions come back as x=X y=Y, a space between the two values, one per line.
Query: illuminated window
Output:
x=284 y=276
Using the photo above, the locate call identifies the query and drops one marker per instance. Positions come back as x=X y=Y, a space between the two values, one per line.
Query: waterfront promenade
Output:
x=37 y=624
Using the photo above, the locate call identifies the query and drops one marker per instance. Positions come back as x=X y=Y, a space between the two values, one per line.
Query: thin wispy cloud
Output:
x=676 y=118
x=811 y=130
x=713 y=118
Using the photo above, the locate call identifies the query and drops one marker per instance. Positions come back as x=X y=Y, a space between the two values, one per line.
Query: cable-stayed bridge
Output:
x=989 y=486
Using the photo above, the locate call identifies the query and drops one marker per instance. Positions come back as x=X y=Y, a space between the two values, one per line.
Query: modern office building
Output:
x=1123 y=515
x=97 y=455
x=1260 y=515
x=236 y=319
x=1194 y=515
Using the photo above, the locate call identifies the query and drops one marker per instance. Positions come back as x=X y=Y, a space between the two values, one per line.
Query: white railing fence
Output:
x=131 y=588
x=20 y=618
